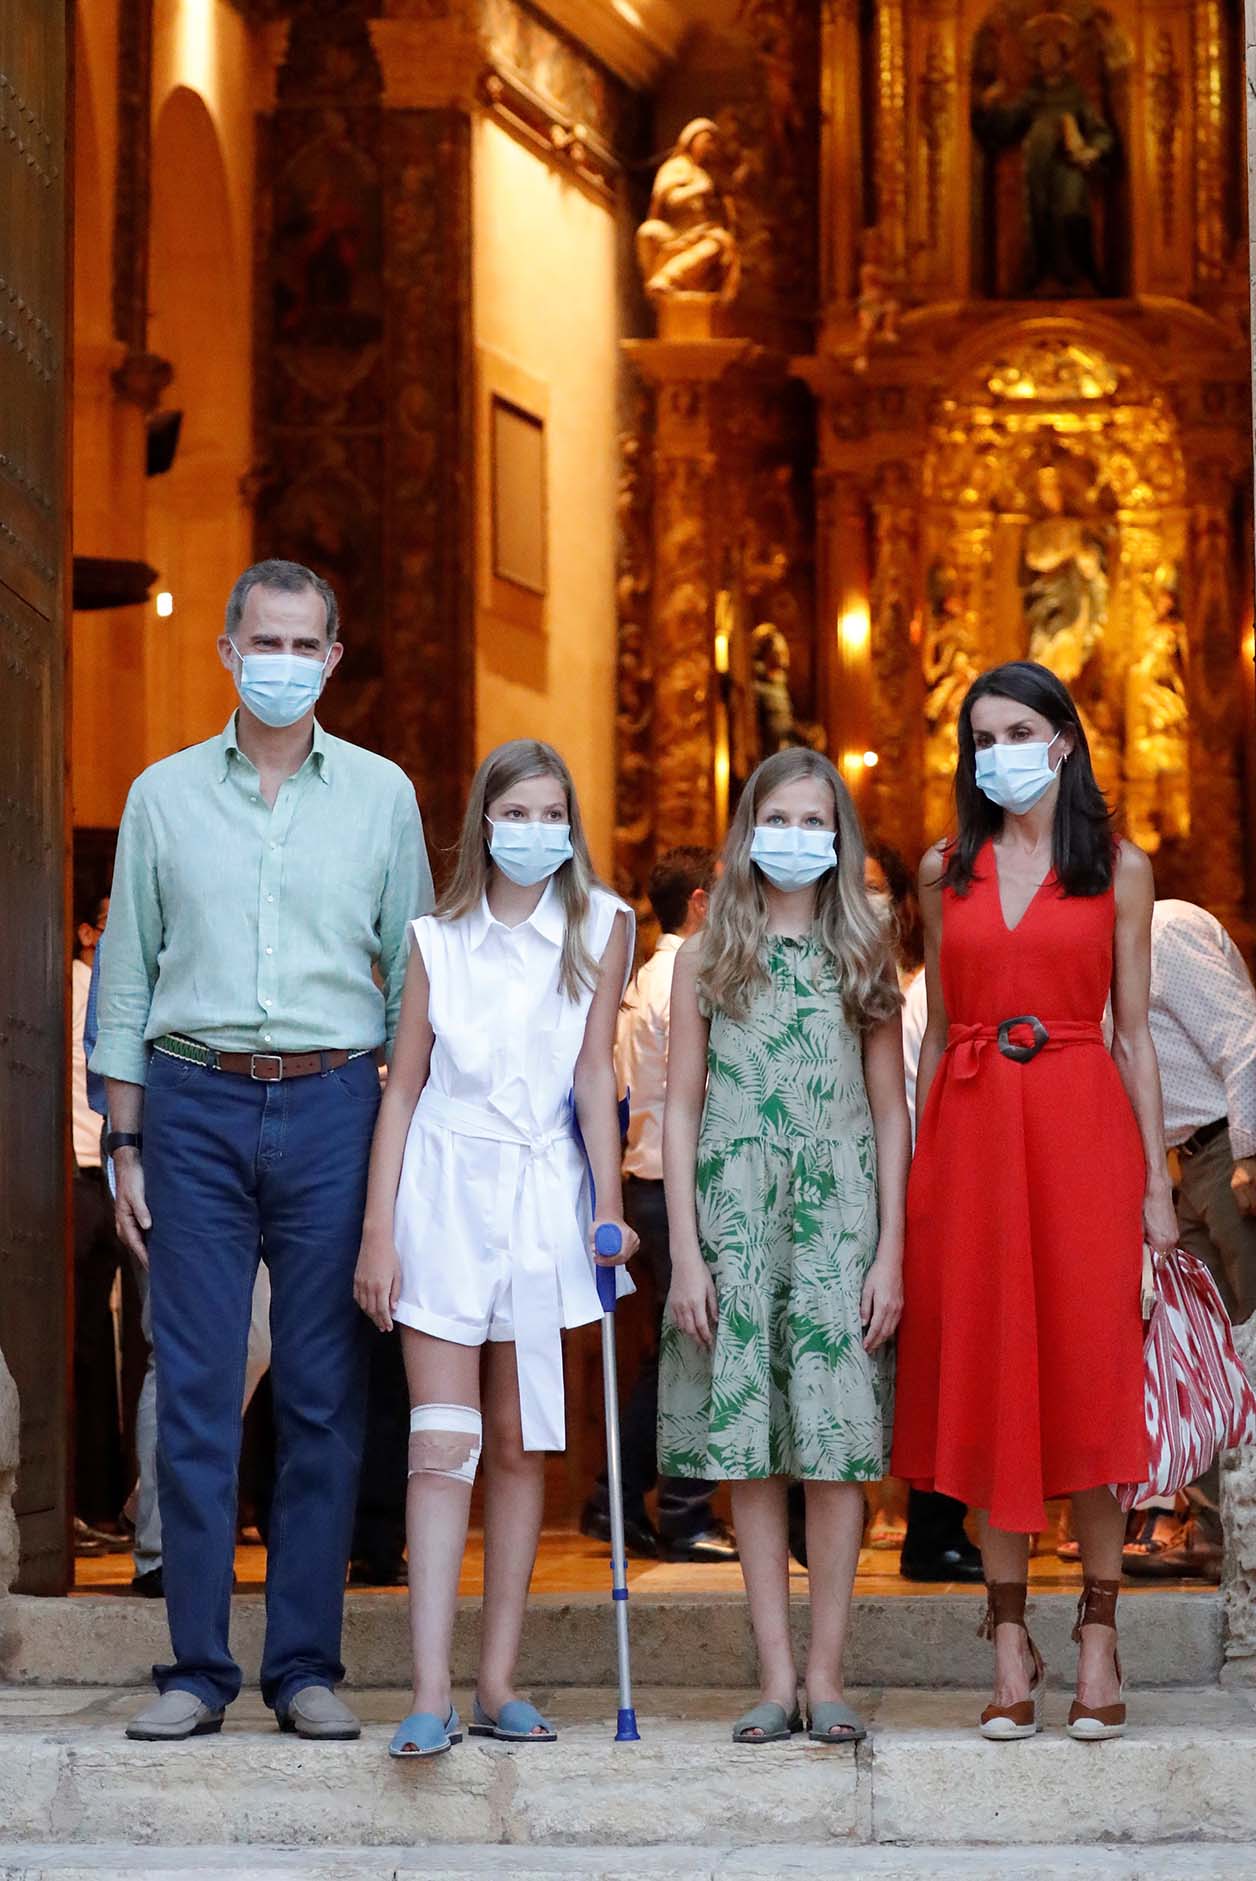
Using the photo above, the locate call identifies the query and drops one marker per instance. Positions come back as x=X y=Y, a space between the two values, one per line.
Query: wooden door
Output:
x=33 y=590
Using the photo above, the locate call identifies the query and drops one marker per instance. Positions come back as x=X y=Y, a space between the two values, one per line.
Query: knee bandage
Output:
x=445 y=1441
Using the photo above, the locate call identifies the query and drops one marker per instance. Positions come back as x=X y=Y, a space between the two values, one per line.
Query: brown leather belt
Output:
x=262 y=1067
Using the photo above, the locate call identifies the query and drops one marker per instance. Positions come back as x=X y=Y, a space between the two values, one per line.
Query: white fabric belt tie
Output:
x=522 y=1223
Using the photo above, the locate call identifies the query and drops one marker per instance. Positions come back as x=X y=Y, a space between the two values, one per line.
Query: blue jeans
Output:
x=238 y=1171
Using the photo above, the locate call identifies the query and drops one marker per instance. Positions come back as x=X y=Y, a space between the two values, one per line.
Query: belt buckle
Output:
x=266 y=1058
x=1021 y=1054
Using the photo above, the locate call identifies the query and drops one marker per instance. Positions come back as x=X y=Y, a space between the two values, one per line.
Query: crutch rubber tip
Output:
x=626 y=1727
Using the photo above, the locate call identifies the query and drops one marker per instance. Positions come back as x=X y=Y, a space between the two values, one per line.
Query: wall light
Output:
x=165 y=604
x=853 y=761
x=855 y=628
x=870 y=759
x=1249 y=645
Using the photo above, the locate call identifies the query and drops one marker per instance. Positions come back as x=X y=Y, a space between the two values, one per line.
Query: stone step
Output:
x=923 y=1779
x=690 y=1640
x=769 y=1862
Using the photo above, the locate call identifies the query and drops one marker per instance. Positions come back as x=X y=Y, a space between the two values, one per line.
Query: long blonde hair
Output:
x=501 y=770
x=730 y=964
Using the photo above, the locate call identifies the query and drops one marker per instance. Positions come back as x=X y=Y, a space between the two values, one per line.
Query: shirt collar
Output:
x=547 y=918
x=229 y=746
x=669 y=943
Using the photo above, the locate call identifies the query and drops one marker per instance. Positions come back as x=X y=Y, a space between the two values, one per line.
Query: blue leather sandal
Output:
x=515 y=1724
x=423 y=1735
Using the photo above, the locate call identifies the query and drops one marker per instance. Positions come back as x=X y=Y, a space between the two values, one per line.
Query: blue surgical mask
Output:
x=530 y=852
x=793 y=858
x=279 y=688
x=1016 y=777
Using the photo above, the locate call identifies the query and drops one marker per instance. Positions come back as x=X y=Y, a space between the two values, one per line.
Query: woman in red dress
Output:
x=1039 y=1174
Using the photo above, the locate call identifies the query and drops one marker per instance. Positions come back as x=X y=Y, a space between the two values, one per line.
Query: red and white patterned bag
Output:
x=1197 y=1396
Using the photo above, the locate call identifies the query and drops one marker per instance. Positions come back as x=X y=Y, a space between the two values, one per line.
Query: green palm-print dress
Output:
x=787 y=1219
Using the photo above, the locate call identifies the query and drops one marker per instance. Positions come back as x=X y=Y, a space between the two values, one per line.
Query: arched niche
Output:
x=198 y=533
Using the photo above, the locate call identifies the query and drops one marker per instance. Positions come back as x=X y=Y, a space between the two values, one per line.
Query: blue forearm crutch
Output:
x=608 y=1240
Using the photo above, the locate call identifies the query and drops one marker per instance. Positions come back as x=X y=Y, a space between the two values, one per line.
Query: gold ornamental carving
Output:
x=1165 y=90
x=684 y=756
x=891 y=138
x=1054 y=493
x=896 y=693
x=1211 y=153
x=937 y=93
x=634 y=706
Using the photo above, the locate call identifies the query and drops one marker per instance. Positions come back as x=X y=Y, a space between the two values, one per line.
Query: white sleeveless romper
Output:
x=493 y=1212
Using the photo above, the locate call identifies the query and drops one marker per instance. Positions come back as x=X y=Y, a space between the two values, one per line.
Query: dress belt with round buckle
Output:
x=969 y=1041
x=262 y=1067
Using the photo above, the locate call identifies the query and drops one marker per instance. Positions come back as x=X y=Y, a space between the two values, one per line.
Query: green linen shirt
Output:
x=257 y=929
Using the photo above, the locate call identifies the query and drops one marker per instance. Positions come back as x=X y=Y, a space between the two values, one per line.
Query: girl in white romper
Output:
x=478 y=1227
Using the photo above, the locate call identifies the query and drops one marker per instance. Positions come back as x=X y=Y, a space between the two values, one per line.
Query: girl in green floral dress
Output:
x=785 y=1154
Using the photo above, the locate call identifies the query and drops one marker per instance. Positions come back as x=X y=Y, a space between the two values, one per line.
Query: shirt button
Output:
x=268 y=1002
x=270 y=897
x=270 y=950
x=255 y=798
x=266 y=1038
x=274 y=845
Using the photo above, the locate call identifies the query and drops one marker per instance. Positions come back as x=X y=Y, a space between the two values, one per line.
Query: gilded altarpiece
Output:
x=1032 y=378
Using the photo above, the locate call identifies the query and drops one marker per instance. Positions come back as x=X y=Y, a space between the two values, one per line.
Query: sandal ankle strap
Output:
x=1005 y=1606
x=1097 y=1606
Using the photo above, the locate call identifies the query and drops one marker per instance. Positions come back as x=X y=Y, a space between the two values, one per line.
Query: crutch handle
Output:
x=607 y=1240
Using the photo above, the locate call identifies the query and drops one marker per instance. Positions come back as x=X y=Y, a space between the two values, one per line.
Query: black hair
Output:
x=1083 y=843
x=909 y=928
x=674 y=879
x=87 y=906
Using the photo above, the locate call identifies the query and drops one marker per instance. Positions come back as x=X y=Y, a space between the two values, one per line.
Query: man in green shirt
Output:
x=262 y=891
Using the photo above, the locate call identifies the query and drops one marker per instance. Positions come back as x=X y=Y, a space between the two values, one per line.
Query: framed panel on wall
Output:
x=513 y=562
x=518 y=502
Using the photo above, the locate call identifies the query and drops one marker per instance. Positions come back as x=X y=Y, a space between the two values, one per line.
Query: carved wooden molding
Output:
x=562 y=140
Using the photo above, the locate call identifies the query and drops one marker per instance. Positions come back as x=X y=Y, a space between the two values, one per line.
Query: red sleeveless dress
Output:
x=1020 y=1352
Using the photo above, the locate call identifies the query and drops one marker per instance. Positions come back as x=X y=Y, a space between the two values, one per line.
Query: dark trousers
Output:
x=379 y=1529
x=934 y=1523
x=238 y=1171
x=1212 y=1227
x=684 y=1506
x=100 y=1485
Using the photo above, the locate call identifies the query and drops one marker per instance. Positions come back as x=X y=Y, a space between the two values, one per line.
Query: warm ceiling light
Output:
x=165 y=604
x=855 y=628
x=870 y=758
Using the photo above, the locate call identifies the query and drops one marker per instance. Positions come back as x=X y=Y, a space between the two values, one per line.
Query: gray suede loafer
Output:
x=316 y=1712
x=173 y=1716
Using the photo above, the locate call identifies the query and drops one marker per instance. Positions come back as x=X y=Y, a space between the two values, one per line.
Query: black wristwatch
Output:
x=123 y=1139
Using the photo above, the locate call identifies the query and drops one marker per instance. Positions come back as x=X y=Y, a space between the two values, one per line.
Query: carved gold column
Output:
x=936 y=97
x=688 y=503
x=891 y=131
x=1211 y=89
x=893 y=784
x=1214 y=631
x=841 y=150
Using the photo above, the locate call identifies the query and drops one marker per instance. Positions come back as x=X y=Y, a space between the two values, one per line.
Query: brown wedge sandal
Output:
x=1005 y=1606
x=1097 y=1607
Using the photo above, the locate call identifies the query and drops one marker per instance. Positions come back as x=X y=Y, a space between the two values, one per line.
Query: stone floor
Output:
x=924 y=1778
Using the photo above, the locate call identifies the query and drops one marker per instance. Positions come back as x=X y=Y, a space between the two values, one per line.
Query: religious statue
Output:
x=1064 y=141
x=688 y=242
x=1064 y=581
x=878 y=304
x=1157 y=790
x=777 y=725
